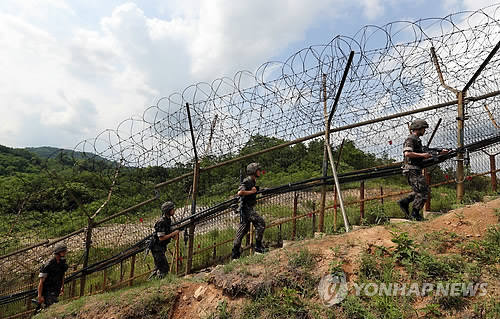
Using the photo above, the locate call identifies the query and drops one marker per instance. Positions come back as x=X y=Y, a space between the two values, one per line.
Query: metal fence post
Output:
x=460 y=144
x=196 y=177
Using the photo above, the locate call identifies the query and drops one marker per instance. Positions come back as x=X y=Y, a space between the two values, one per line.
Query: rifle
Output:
x=435 y=151
x=38 y=306
x=150 y=241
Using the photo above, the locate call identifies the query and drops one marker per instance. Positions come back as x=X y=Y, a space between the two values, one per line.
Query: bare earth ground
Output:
x=198 y=295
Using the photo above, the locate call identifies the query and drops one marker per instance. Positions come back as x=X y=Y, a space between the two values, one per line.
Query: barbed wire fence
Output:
x=439 y=69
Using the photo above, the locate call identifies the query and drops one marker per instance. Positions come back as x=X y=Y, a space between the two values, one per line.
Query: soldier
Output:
x=248 y=192
x=51 y=284
x=414 y=156
x=162 y=235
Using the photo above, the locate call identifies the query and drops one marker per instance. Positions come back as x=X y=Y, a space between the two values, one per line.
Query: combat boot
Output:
x=235 y=254
x=415 y=215
x=259 y=248
x=405 y=207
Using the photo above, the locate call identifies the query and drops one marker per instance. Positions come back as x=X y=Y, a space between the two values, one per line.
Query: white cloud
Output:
x=76 y=80
x=372 y=8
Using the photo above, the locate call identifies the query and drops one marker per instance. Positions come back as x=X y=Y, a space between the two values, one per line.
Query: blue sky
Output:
x=71 y=69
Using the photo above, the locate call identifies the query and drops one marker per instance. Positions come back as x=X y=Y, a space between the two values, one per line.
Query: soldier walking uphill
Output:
x=161 y=237
x=414 y=155
x=247 y=191
x=51 y=284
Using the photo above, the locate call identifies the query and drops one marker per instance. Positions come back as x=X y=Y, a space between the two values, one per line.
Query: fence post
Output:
x=382 y=195
x=294 y=214
x=313 y=224
x=313 y=219
x=460 y=144
x=190 y=252
x=361 y=201
x=177 y=254
x=196 y=177
x=427 y=175
x=73 y=284
x=88 y=242
x=325 y=159
x=334 y=208
x=132 y=268
x=214 y=255
x=493 y=173
x=252 y=238
x=121 y=271
x=104 y=279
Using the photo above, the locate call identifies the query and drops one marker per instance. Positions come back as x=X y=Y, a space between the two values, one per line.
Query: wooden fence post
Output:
x=382 y=195
x=427 y=175
x=493 y=173
x=73 y=284
x=104 y=279
x=88 y=242
x=361 y=201
x=252 y=238
x=132 y=268
x=335 y=209
x=294 y=214
x=177 y=254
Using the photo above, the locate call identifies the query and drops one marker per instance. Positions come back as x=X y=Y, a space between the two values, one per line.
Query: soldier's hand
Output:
x=254 y=190
x=427 y=155
x=62 y=291
x=41 y=300
x=444 y=151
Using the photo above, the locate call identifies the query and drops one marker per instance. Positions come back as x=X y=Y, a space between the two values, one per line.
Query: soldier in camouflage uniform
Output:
x=248 y=191
x=51 y=284
x=414 y=156
x=162 y=235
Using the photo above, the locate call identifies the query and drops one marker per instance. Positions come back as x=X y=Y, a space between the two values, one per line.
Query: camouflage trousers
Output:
x=50 y=299
x=420 y=189
x=161 y=263
x=250 y=216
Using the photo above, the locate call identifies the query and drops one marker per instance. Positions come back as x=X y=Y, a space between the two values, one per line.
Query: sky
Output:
x=71 y=69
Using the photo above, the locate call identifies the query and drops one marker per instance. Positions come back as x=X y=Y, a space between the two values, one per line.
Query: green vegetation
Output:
x=416 y=264
x=153 y=299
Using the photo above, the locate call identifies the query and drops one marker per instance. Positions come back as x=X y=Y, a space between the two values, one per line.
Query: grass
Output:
x=487 y=250
x=148 y=300
x=303 y=259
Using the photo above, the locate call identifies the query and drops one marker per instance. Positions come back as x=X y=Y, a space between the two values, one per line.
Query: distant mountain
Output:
x=51 y=152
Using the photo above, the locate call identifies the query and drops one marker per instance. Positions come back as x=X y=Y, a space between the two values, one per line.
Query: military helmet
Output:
x=418 y=124
x=60 y=247
x=252 y=168
x=167 y=207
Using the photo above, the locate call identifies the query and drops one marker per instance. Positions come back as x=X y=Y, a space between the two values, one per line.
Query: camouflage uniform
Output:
x=249 y=215
x=53 y=272
x=412 y=169
x=162 y=228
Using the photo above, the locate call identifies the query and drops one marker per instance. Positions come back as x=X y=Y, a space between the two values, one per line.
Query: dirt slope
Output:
x=232 y=287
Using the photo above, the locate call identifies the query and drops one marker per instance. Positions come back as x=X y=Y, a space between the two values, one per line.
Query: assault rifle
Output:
x=435 y=152
x=451 y=152
x=150 y=242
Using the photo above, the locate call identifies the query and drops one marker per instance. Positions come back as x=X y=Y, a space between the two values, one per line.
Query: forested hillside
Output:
x=38 y=190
